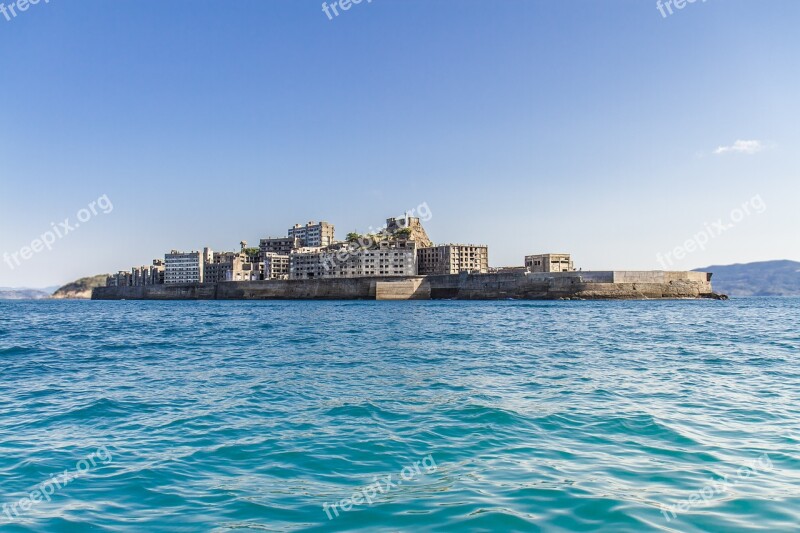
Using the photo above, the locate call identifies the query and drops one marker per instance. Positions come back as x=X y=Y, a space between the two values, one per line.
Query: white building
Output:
x=385 y=258
x=313 y=234
x=184 y=267
x=276 y=266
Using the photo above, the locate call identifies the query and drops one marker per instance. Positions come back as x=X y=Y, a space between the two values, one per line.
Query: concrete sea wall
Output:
x=512 y=285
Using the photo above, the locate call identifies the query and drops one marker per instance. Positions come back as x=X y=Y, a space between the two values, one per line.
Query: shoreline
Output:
x=597 y=285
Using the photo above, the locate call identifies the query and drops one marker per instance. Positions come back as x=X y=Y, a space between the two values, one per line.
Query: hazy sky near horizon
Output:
x=599 y=128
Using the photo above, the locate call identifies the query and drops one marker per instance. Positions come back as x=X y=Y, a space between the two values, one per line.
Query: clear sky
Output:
x=603 y=129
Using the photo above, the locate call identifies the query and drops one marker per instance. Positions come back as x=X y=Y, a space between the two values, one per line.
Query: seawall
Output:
x=607 y=285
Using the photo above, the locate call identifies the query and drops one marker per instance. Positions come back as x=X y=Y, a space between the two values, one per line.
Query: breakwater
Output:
x=605 y=285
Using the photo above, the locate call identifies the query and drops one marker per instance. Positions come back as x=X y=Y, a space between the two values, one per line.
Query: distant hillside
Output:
x=765 y=278
x=81 y=289
x=23 y=294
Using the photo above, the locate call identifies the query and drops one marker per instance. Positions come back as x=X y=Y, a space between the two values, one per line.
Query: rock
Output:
x=80 y=289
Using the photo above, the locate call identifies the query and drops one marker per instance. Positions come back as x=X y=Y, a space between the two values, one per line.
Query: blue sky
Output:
x=531 y=126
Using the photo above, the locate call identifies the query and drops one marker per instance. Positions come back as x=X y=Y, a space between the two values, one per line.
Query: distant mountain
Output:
x=81 y=289
x=765 y=278
x=7 y=293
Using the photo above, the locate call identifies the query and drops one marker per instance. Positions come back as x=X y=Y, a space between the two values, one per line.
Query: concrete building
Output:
x=276 y=266
x=184 y=267
x=305 y=265
x=280 y=246
x=348 y=260
x=453 y=259
x=232 y=266
x=252 y=255
x=397 y=257
x=138 y=276
x=216 y=270
x=149 y=274
x=245 y=272
x=313 y=233
x=120 y=279
x=158 y=271
x=549 y=263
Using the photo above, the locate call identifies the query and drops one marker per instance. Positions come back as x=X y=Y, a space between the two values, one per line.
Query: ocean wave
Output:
x=591 y=417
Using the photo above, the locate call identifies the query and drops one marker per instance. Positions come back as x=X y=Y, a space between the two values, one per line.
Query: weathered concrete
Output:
x=405 y=289
x=498 y=286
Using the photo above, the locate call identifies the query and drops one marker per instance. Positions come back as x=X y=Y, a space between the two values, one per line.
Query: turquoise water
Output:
x=489 y=416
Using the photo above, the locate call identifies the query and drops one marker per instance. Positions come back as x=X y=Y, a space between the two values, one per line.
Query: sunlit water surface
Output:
x=538 y=416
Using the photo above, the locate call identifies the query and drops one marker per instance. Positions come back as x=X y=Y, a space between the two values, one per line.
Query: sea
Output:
x=618 y=416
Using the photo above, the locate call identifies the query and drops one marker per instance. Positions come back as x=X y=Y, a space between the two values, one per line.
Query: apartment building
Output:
x=149 y=274
x=185 y=267
x=280 y=246
x=453 y=259
x=232 y=266
x=276 y=266
x=549 y=263
x=216 y=270
x=120 y=279
x=138 y=276
x=305 y=265
x=313 y=233
x=343 y=260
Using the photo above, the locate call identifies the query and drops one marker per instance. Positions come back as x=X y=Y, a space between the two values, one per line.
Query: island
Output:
x=398 y=262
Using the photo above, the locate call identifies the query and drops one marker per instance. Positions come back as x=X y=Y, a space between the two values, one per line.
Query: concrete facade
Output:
x=245 y=272
x=305 y=265
x=280 y=246
x=453 y=259
x=120 y=279
x=394 y=257
x=403 y=289
x=184 y=267
x=233 y=266
x=549 y=263
x=215 y=271
x=516 y=285
x=313 y=233
x=276 y=266
x=149 y=274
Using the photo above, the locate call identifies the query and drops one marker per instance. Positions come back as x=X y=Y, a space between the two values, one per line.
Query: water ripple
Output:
x=540 y=416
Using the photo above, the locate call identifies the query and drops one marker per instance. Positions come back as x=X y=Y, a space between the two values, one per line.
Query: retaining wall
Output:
x=498 y=286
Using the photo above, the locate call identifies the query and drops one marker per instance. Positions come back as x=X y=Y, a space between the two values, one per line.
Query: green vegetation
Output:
x=405 y=232
x=353 y=236
x=81 y=288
